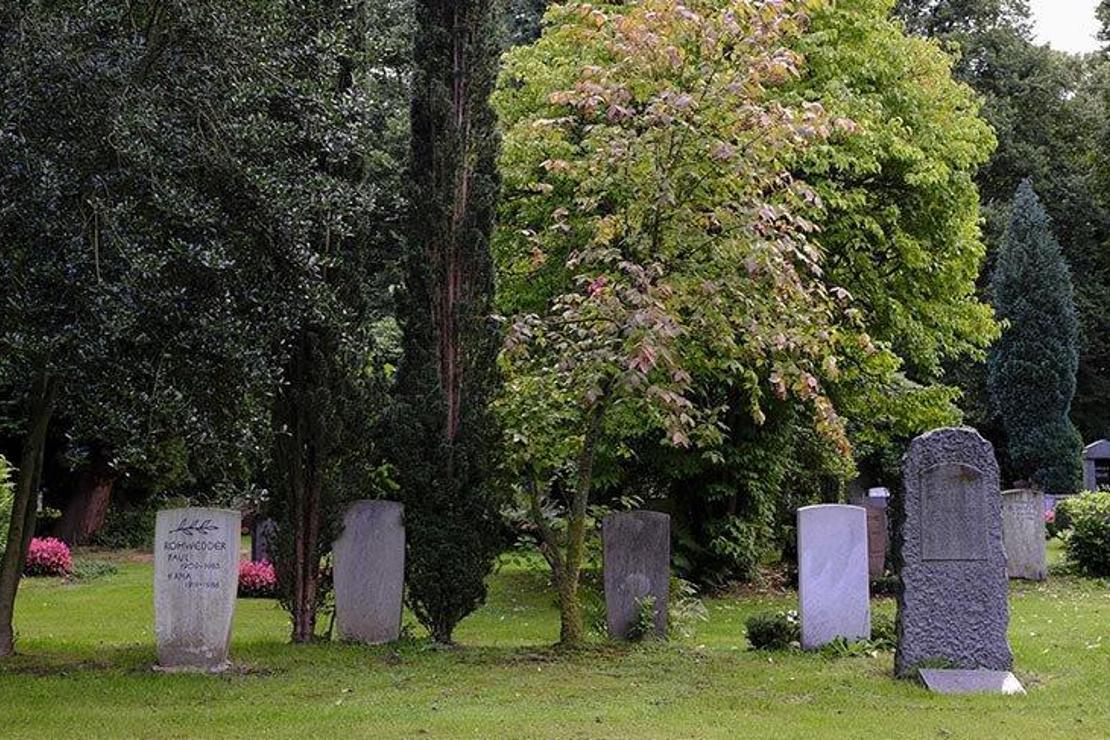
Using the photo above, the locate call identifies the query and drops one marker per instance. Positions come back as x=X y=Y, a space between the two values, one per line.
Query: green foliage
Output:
x=5 y=501
x=89 y=570
x=1033 y=366
x=127 y=528
x=884 y=631
x=1088 y=543
x=773 y=630
x=643 y=625
x=441 y=432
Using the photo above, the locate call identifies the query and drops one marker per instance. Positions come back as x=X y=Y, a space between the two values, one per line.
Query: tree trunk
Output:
x=85 y=512
x=24 y=506
x=572 y=631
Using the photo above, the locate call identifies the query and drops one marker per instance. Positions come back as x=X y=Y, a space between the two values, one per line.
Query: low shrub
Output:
x=87 y=570
x=257 y=579
x=774 y=630
x=1088 y=543
x=127 y=529
x=48 y=557
x=884 y=632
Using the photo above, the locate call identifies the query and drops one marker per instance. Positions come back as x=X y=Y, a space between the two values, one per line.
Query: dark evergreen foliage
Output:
x=440 y=427
x=1033 y=366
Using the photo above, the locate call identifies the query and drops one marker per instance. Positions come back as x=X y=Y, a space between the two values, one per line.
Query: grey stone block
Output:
x=1023 y=533
x=833 y=583
x=955 y=681
x=196 y=579
x=952 y=605
x=369 y=562
x=637 y=563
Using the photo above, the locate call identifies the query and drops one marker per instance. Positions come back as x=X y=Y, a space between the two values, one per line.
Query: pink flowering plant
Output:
x=257 y=579
x=48 y=557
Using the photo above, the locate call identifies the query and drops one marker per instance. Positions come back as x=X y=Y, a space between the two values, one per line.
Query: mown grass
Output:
x=86 y=651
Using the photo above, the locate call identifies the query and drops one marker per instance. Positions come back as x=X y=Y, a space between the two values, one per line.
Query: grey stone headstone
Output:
x=832 y=574
x=878 y=537
x=1023 y=533
x=1096 y=465
x=369 y=561
x=956 y=681
x=637 y=564
x=263 y=540
x=952 y=605
x=196 y=578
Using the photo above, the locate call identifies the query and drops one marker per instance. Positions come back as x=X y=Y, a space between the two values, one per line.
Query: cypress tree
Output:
x=441 y=429
x=1033 y=366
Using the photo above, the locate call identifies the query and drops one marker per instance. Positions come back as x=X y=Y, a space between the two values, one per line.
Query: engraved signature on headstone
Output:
x=195 y=527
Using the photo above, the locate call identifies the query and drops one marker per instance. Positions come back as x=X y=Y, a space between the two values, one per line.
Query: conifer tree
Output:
x=441 y=429
x=1033 y=366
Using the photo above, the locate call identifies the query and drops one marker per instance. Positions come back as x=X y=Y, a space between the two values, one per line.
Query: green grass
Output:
x=86 y=651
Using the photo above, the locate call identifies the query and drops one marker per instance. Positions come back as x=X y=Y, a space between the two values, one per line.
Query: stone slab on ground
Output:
x=960 y=681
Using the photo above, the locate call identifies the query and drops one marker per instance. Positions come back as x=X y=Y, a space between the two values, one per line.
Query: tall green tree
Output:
x=132 y=305
x=441 y=429
x=1033 y=366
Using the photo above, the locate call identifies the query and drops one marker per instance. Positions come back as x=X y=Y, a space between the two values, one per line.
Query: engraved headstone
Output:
x=1023 y=533
x=196 y=578
x=952 y=605
x=1096 y=465
x=833 y=585
x=637 y=564
x=369 y=559
x=263 y=540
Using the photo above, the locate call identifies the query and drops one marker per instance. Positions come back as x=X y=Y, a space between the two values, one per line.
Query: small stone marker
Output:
x=196 y=578
x=1096 y=465
x=952 y=605
x=637 y=564
x=832 y=574
x=369 y=559
x=263 y=534
x=955 y=681
x=1023 y=533
x=878 y=538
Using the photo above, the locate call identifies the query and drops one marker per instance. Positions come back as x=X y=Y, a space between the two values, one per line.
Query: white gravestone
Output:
x=370 y=572
x=833 y=589
x=196 y=578
x=1023 y=534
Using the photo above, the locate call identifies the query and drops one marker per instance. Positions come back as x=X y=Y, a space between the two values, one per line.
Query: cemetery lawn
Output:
x=86 y=649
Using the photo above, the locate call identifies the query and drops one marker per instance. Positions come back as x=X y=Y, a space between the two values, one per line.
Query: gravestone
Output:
x=263 y=540
x=956 y=681
x=369 y=560
x=878 y=538
x=1096 y=465
x=833 y=582
x=1023 y=534
x=952 y=605
x=637 y=564
x=196 y=578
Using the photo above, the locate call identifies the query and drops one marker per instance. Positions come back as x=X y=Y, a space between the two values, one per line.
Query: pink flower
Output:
x=48 y=557
x=257 y=579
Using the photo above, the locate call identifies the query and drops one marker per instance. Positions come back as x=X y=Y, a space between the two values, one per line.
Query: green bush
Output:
x=87 y=570
x=127 y=529
x=1088 y=544
x=6 y=494
x=774 y=630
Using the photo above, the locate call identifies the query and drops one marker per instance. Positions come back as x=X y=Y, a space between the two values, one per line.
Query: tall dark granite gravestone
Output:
x=196 y=578
x=637 y=564
x=263 y=540
x=952 y=607
x=369 y=560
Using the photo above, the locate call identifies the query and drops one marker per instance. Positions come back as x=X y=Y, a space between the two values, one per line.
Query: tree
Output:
x=131 y=306
x=652 y=246
x=440 y=426
x=1033 y=366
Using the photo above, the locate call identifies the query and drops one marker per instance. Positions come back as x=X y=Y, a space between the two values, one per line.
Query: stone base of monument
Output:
x=958 y=681
x=216 y=668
